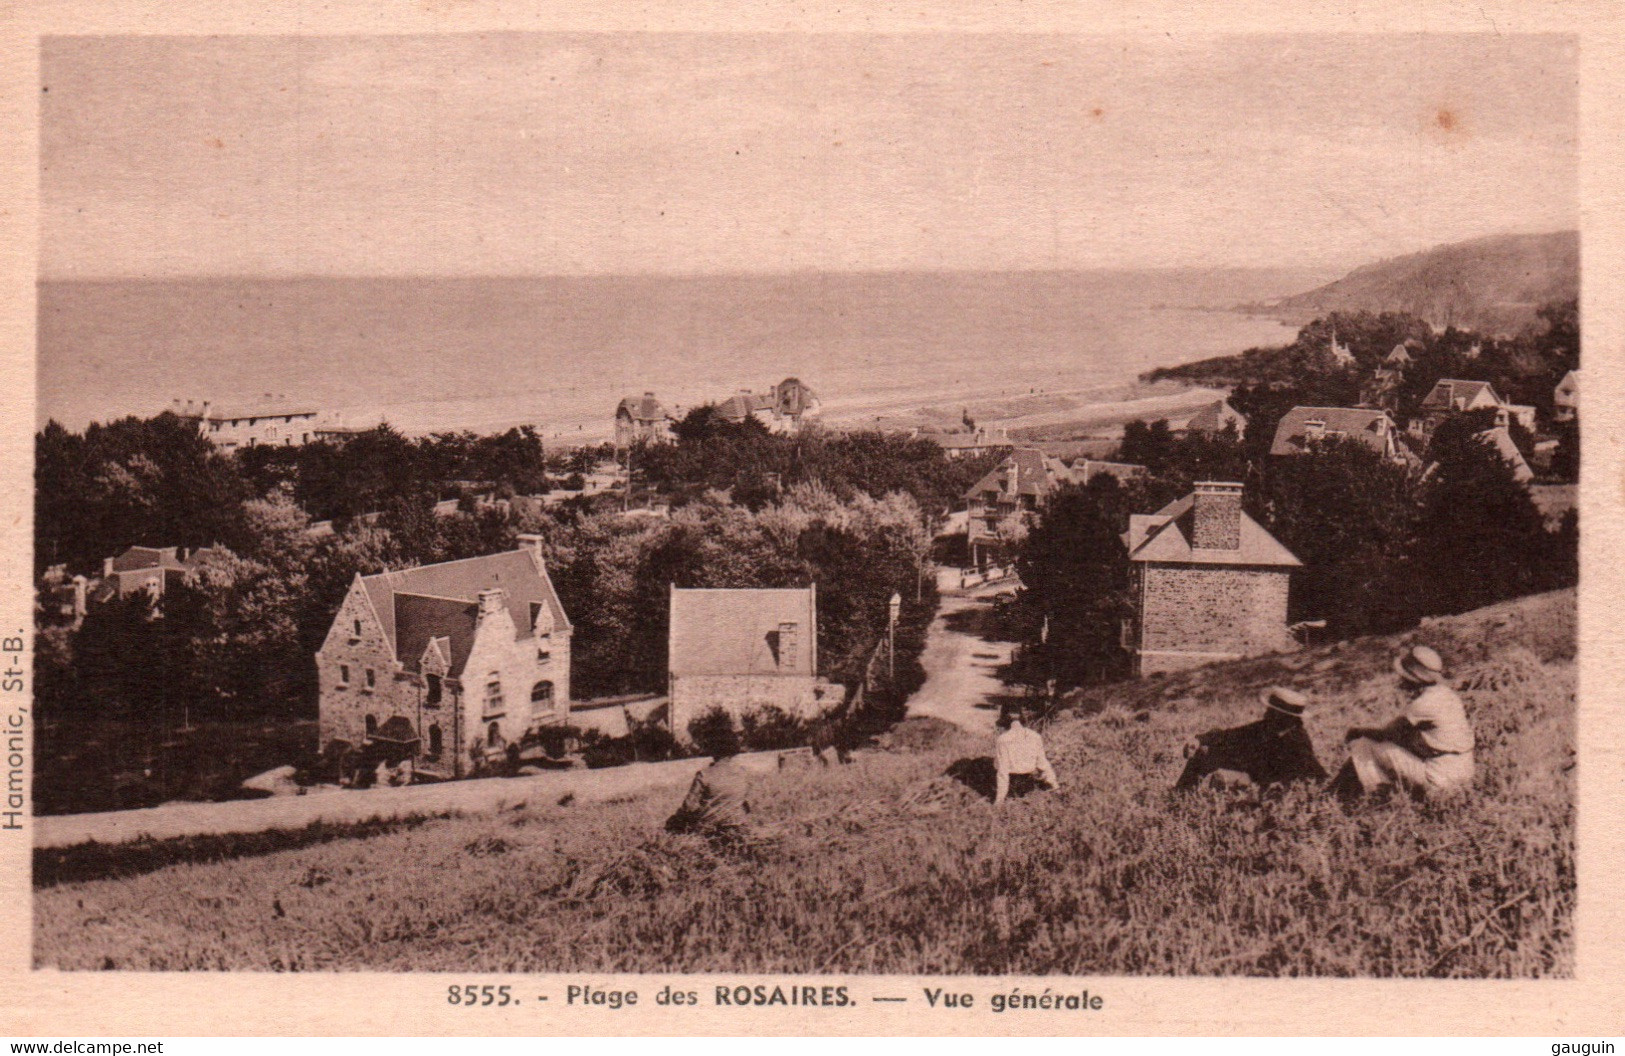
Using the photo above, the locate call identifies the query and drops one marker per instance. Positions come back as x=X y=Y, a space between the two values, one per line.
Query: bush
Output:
x=713 y=733
x=768 y=728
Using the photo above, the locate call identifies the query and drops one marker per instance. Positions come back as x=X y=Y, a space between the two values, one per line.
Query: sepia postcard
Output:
x=540 y=521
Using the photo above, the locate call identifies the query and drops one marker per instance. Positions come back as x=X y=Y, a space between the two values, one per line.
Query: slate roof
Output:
x=1165 y=537
x=1360 y=423
x=440 y=601
x=1213 y=418
x=643 y=408
x=142 y=557
x=1500 y=438
x=1450 y=393
x=1036 y=475
x=735 y=631
x=742 y=405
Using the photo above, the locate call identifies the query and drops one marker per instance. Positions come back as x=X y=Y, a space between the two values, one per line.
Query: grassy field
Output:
x=895 y=864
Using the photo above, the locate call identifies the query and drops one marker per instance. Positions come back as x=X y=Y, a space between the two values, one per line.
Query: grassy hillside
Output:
x=894 y=864
x=1492 y=285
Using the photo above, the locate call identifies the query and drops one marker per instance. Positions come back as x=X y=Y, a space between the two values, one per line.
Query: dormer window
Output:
x=431 y=696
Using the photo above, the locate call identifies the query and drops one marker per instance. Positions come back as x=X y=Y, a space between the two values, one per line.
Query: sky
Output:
x=520 y=154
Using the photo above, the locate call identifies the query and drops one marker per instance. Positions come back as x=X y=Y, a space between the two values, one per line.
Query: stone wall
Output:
x=694 y=695
x=1207 y=613
x=343 y=704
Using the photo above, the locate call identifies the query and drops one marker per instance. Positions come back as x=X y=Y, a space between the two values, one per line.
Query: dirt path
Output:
x=961 y=680
x=347 y=806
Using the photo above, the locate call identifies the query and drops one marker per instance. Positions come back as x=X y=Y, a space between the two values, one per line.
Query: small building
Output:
x=1086 y=469
x=1209 y=583
x=1216 y=417
x=973 y=442
x=1450 y=397
x=786 y=408
x=1302 y=428
x=63 y=598
x=1020 y=484
x=153 y=569
x=1500 y=438
x=447 y=665
x=641 y=419
x=273 y=420
x=741 y=649
x=1566 y=398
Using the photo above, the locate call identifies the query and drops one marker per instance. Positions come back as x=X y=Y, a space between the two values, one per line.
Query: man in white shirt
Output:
x=1427 y=749
x=1018 y=757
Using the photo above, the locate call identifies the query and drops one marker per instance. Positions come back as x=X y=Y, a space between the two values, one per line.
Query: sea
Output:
x=558 y=352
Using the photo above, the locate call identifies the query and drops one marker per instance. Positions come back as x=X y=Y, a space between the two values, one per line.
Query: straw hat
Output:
x=1286 y=701
x=1420 y=665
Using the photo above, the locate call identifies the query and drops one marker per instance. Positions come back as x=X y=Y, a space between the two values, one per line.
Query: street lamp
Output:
x=894 y=608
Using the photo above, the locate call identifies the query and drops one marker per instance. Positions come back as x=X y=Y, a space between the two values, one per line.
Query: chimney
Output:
x=107 y=567
x=492 y=602
x=532 y=542
x=1216 y=516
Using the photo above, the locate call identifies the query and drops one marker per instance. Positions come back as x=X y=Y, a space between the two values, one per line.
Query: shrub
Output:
x=713 y=732
x=768 y=728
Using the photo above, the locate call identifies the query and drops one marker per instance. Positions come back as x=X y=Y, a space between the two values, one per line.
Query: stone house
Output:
x=274 y=420
x=641 y=418
x=153 y=569
x=1301 y=428
x=1019 y=485
x=447 y=665
x=740 y=649
x=1209 y=583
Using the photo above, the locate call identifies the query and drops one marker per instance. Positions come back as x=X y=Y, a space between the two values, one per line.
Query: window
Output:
x=435 y=742
x=344 y=675
x=372 y=725
x=372 y=681
x=541 y=695
x=493 y=694
x=493 y=738
x=355 y=630
x=432 y=698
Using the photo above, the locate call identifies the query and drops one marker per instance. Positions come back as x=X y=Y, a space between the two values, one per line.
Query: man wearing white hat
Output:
x=1427 y=749
x=1273 y=750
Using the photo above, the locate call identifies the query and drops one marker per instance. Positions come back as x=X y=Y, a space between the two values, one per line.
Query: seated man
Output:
x=1270 y=751
x=1427 y=749
x=718 y=802
x=1019 y=759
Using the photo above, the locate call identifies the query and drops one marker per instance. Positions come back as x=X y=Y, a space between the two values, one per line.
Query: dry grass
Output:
x=889 y=865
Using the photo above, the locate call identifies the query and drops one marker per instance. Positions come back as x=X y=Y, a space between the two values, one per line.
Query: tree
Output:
x=1480 y=538
x=1350 y=516
x=1076 y=572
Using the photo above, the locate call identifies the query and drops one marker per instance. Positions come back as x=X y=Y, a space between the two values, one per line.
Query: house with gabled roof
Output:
x=270 y=420
x=1566 y=398
x=641 y=418
x=785 y=408
x=1022 y=483
x=153 y=569
x=447 y=665
x=1302 y=428
x=1216 y=417
x=1209 y=583
x=741 y=649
